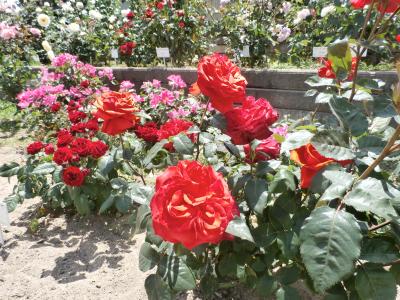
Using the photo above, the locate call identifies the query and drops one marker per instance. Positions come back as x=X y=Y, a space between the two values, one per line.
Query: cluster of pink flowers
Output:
x=126 y=85
x=176 y=82
x=8 y=32
x=45 y=95
x=147 y=86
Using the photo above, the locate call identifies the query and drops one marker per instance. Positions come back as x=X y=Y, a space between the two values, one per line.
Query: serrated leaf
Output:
x=152 y=153
x=323 y=98
x=105 y=164
x=183 y=144
x=107 y=204
x=287 y=293
x=256 y=192
x=332 y=184
x=332 y=144
x=379 y=250
x=238 y=227
x=44 y=169
x=373 y=283
x=9 y=169
x=148 y=257
x=156 y=288
x=176 y=273
x=296 y=140
x=140 y=193
x=118 y=183
x=330 y=243
x=123 y=203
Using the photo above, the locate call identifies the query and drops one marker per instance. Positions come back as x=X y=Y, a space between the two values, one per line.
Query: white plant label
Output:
x=320 y=52
x=163 y=52
x=4 y=219
x=114 y=53
x=245 y=52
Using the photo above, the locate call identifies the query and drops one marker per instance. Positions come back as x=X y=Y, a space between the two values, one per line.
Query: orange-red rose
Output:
x=390 y=7
x=117 y=110
x=311 y=162
x=220 y=79
x=192 y=205
x=250 y=121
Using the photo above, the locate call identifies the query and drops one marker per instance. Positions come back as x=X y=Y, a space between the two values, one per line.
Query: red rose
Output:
x=117 y=110
x=92 y=125
x=398 y=38
x=250 y=121
x=181 y=24
x=390 y=7
x=266 y=150
x=130 y=15
x=55 y=107
x=148 y=132
x=220 y=79
x=149 y=13
x=160 y=5
x=327 y=70
x=85 y=84
x=73 y=176
x=80 y=146
x=97 y=149
x=78 y=128
x=64 y=137
x=172 y=128
x=311 y=163
x=192 y=205
x=76 y=116
x=34 y=148
x=180 y=12
x=49 y=149
x=194 y=89
x=73 y=105
x=62 y=155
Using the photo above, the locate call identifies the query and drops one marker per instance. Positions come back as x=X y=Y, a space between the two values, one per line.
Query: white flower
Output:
x=74 y=27
x=47 y=4
x=112 y=19
x=50 y=54
x=269 y=6
x=224 y=2
x=284 y=34
x=95 y=14
x=84 y=12
x=67 y=7
x=79 y=5
x=277 y=29
x=110 y=26
x=286 y=6
x=125 y=12
x=328 y=10
x=46 y=46
x=43 y=20
x=301 y=15
x=38 y=10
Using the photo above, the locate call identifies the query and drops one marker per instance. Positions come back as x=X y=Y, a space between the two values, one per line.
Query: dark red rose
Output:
x=92 y=125
x=148 y=132
x=55 y=107
x=64 y=138
x=160 y=5
x=181 y=24
x=49 y=149
x=76 y=116
x=130 y=15
x=78 y=128
x=85 y=84
x=117 y=110
x=172 y=128
x=80 y=146
x=192 y=205
x=220 y=79
x=311 y=162
x=34 y=148
x=73 y=176
x=73 y=105
x=180 y=13
x=266 y=150
x=62 y=155
x=97 y=149
x=149 y=13
x=250 y=121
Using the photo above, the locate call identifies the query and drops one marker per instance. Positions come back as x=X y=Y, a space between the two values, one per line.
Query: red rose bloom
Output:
x=34 y=148
x=73 y=176
x=220 y=79
x=64 y=138
x=172 y=128
x=85 y=84
x=62 y=155
x=180 y=12
x=49 y=149
x=398 y=38
x=181 y=24
x=73 y=105
x=266 y=150
x=311 y=162
x=149 y=13
x=80 y=146
x=327 y=70
x=160 y=5
x=76 y=116
x=55 y=107
x=192 y=205
x=117 y=110
x=194 y=90
x=78 y=128
x=130 y=15
x=250 y=121
x=148 y=132
x=92 y=125
x=97 y=149
x=392 y=5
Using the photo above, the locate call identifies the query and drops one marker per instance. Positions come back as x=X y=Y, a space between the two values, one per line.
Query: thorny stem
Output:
x=130 y=164
x=200 y=126
x=376 y=227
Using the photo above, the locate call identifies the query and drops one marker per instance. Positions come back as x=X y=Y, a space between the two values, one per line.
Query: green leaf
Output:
x=288 y=242
x=141 y=194
x=373 y=195
x=9 y=169
x=238 y=227
x=339 y=54
x=183 y=144
x=256 y=192
x=148 y=257
x=156 y=288
x=205 y=138
x=332 y=144
x=123 y=203
x=296 y=140
x=176 y=273
x=350 y=117
x=12 y=201
x=44 y=169
x=287 y=293
x=105 y=164
x=283 y=181
x=107 y=204
x=374 y=283
x=82 y=204
x=288 y=274
x=152 y=153
x=379 y=250
x=332 y=184
x=143 y=214
x=316 y=81
x=266 y=285
x=118 y=183
x=323 y=98
x=330 y=243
